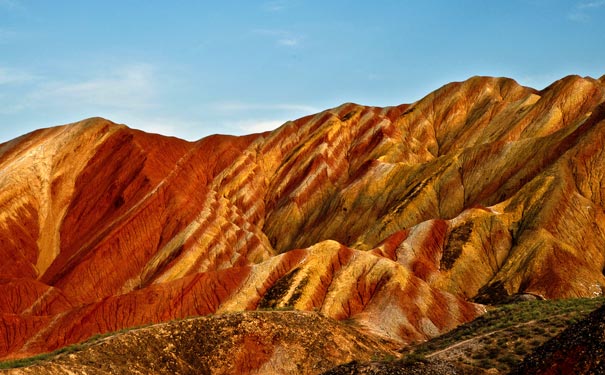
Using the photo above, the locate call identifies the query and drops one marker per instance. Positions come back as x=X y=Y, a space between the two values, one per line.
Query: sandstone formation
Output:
x=393 y=219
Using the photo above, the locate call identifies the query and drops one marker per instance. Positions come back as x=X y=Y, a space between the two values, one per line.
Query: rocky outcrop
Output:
x=241 y=343
x=391 y=218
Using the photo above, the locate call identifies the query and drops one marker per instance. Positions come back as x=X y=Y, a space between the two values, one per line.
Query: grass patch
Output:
x=33 y=360
x=29 y=361
x=503 y=336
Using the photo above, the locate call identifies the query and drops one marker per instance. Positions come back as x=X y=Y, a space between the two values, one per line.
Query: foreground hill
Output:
x=526 y=337
x=578 y=350
x=531 y=337
x=393 y=218
x=264 y=342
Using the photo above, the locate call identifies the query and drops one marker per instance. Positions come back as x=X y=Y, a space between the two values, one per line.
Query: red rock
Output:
x=393 y=218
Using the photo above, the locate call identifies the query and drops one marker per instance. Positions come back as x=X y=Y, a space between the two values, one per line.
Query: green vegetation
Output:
x=453 y=249
x=414 y=358
x=29 y=361
x=274 y=296
x=503 y=336
x=277 y=308
x=500 y=339
x=23 y=362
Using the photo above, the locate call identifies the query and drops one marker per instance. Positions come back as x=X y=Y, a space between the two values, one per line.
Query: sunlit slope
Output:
x=395 y=218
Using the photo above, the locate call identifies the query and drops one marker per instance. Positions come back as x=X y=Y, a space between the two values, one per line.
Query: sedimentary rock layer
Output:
x=392 y=218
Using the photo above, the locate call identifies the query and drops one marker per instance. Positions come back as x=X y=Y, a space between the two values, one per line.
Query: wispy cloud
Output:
x=249 y=117
x=191 y=130
x=582 y=12
x=288 y=42
x=129 y=87
x=281 y=37
x=591 y=4
x=257 y=126
x=241 y=106
x=151 y=124
x=275 y=5
x=7 y=36
x=579 y=17
x=12 y=5
x=14 y=76
x=121 y=90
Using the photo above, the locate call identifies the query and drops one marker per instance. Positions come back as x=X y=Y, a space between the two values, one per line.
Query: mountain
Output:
x=400 y=221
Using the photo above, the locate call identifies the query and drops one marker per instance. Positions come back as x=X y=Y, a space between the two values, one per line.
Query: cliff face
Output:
x=392 y=218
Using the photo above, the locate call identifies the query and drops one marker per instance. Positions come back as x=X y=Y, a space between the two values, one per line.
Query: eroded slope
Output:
x=391 y=217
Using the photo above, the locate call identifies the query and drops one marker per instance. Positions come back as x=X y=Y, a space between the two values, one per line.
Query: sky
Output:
x=194 y=68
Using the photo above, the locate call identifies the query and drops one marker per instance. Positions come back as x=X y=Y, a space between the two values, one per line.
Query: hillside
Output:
x=400 y=220
x=515 y=338
x=526 y=337
x=250 y=342
x=578 y=350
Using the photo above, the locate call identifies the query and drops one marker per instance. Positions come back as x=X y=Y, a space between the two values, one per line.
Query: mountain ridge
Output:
x=395 y=218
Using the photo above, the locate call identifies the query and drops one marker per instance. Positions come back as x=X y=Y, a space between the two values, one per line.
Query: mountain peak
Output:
x=397 y=220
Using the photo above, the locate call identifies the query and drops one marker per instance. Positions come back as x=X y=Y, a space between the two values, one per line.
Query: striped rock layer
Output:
x=393 y=219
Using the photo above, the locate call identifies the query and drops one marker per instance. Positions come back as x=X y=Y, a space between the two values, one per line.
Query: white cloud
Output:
x=162 y=124
x=190 y=130
x=582 y=10
x=249 y=118
x=9 y=108
x=11 y=4
x=14 y=76
x=374 y=77
x=257 y=126
x=288 y=42
x=116 y=93
x=153 y=125
x=241 y=106
x=13 y=83
x=127 y=87
x=579 y=17
x=281 y=37
x=591 y=4
x=275 y=6
x=129 y=93
x=7 y=36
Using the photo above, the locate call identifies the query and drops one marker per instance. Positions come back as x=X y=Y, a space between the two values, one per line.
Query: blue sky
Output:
x=193 y=68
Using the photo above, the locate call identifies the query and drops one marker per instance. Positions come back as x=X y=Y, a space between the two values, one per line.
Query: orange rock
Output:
x=394 y=218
